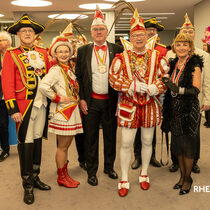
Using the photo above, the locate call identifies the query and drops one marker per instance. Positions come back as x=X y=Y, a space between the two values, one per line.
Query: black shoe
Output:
x=207 y=125
x=136 y=163
x=196 y=168
x=154 y=162
x=111 y=173
x=183 y=192
x=3 y=156
x=40 y=185
x=83 y=165
x=28 y=196
x=174 y=167
x=93 y=180
x=177 y=186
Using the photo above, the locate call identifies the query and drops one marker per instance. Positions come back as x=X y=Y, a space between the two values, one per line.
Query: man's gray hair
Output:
x=6 y=36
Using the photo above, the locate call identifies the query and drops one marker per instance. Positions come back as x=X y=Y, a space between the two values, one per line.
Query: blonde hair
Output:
x=182 y=37
x=6 y=36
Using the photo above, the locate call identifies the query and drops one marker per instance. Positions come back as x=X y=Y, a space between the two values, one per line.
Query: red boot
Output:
x=63 y=180
x=67 y=175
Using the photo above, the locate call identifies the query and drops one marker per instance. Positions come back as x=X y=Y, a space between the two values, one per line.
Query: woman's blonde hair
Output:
x=182 y=37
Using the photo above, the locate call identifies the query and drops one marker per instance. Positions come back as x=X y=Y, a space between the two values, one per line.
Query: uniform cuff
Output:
x=12 y=106
x=56 y=99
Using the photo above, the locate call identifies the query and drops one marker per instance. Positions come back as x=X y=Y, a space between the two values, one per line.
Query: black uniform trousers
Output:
x=4 y=120
x=99 y=112
x=207 y=116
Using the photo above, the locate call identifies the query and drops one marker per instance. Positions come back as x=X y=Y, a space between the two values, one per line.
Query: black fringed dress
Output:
x=182 y=112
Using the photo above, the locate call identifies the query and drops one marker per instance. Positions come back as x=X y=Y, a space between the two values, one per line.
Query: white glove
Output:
x=152 y=90
x=140 y=87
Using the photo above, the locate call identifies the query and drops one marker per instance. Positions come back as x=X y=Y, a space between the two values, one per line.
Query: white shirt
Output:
x=100 y=81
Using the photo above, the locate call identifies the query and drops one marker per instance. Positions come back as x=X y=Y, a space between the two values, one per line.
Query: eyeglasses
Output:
x=24 y=31
x=98 y=29
x=138 y=35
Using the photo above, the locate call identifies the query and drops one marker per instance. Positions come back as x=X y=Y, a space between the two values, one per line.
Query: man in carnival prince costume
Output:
x=137 y=74
x=23 y=69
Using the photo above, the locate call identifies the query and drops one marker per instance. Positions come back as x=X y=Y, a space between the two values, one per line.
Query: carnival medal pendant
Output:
x=38 y=72
x=102 y=68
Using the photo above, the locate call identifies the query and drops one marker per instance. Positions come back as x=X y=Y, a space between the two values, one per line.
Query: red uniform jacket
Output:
x=161 y=48
x=19 y=83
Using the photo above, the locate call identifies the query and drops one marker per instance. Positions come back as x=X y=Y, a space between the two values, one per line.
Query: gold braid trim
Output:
x=31 y=87
x=68 y=91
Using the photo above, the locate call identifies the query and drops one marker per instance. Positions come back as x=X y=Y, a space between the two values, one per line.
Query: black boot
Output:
x=37 y=155
x=154 y=162
x=136 y=163
x=25 y=151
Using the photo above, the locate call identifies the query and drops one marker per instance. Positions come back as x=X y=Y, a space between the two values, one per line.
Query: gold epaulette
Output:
x=162 y=45
x=40 y=47
x=12 y=48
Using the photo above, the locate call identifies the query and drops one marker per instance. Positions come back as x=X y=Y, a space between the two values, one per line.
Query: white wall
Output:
x=201 y=21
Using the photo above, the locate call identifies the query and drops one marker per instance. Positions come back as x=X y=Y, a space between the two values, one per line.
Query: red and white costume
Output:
x=65 y=118
x=137 y=77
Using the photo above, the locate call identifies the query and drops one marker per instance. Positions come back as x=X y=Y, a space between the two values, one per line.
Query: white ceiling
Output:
x=179 y=7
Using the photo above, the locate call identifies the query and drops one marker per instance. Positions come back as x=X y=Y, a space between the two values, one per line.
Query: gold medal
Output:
x=102 y=68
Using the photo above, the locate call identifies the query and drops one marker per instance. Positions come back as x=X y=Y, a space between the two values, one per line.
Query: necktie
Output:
x=103 y=47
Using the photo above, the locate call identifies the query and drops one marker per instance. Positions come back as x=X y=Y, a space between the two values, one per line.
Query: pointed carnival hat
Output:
x=25 y=21
x=58 y=41
x=187 y=23
x=152 y=22
x=68 y=31
x=98 y=18
x=137 y=22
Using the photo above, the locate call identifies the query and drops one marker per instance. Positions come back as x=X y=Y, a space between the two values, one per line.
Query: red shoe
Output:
x=123 y=187
x=63 y=180
x=67 y=175
x=144 y=182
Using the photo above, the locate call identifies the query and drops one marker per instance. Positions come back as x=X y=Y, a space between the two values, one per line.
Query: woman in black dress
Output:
x=181 y=111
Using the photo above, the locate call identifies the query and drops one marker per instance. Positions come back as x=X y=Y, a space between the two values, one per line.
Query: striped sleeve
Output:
x=117 y=76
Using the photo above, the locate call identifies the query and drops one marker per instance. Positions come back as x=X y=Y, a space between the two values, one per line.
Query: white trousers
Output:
x=36 y=124
x=128 y=136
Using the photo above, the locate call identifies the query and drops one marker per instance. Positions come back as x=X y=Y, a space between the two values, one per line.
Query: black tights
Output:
x=185 y=165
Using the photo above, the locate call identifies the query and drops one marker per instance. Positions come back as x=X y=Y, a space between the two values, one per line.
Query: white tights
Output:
x=128 y=136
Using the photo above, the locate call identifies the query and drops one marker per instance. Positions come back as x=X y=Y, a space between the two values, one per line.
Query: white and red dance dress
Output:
x=65 y=118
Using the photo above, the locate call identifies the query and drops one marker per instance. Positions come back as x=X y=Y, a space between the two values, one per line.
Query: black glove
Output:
x=165 y=126
x=173 y=87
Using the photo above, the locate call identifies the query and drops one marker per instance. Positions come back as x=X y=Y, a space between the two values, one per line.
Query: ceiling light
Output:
x=151 y=13
x=126 y=0
x=68 y=16
x=121 y=34
x=122 y=21
x=31 y=3
x=125 y=25
x=93 y=6
x=1 y=15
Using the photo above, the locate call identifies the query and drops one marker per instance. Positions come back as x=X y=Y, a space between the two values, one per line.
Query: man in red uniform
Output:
x=152 y=28
x=23 y=69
